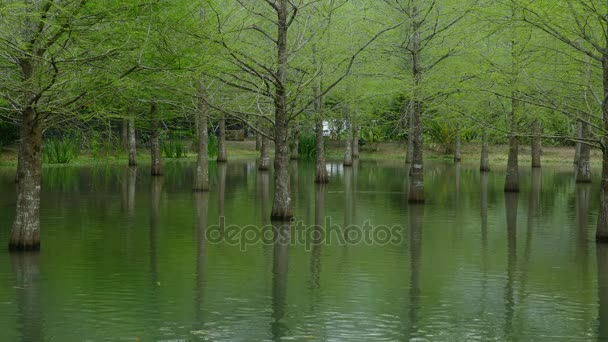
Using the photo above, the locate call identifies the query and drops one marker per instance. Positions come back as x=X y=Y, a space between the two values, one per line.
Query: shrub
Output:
x=60 y=151
x=174 y=149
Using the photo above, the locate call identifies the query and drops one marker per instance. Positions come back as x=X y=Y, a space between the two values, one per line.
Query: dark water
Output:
x=125 y=256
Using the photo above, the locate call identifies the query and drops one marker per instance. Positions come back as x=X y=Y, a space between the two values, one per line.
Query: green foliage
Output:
x=372 y=135
x=213 y=146
x=60 y=151
x=174 y=149
x=441 y=136
x=101 y=147
x=307 y=146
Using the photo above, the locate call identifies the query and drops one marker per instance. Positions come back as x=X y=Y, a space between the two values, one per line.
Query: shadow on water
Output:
x=278 y=327
x=26 y=267
x=201 y=202
x=511 y=203
x=416 y=222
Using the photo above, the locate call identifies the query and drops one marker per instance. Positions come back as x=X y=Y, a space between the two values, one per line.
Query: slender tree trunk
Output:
x=25 y=234
x=537 y=147
x=410 y=143
x=484 y=164
x=201 y=175
x=355 y=142
x=264 y=155
x=281 y=206
x=157 y=163
x=583 y=167
x=295 y=154
x=132 y=143
x=258 y=141
x=348 y=149
x=457 y=145
x=221 y=153
x=321 y=176
x=579 y=135
x=416 y=189
x=602 y=221
x=512 y=176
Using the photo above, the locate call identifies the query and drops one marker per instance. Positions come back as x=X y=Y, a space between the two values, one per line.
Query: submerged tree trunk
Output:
x=355 y=142
x=221 y=153
x=416 y=189
x=25 y=234
x=537 y=142
x=132 y=143
x=295 y=154
x=321 y=176
x=281 y=205
x=348 y=149
x=201 y=174
x=457 y=145
x=484 y=164
x=157 y=163
x=264 y=155
x=579 y=136
x=583 y=167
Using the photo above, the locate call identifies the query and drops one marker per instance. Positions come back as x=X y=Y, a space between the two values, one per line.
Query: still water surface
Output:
x=125 y=256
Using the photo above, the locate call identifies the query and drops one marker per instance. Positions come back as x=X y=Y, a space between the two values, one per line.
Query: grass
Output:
x=335 y=151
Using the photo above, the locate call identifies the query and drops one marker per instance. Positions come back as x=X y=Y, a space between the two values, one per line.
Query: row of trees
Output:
x=517 y=68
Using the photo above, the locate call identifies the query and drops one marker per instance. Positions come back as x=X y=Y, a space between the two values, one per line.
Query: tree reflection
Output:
x=511 y=202
x=201 y=202
x=26 y=267
x=416 y=220
x=280 y=256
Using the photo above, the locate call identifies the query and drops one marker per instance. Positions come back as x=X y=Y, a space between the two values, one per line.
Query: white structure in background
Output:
x=326 y=131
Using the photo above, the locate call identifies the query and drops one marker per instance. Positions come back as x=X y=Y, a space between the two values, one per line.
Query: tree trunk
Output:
x=601 y=234
x=258 y=141
x=416 y=189
x=537 y=147
x=25 y=234
x=355 y=142
x=201 y=174
x=409 y=153
x=321 y=176
x=221 y=153
x=583 y=167
x=512 y=177
x=579 y=135
x=457 y=154
x=264 y=155
x=19 y=163
x=132 y=143
x=295 y=154
x=484 y=164
x=348 y=149
x=281 y=205
x=157 y=163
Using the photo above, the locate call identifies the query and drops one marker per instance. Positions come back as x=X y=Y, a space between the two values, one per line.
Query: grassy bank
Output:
x=335 y=151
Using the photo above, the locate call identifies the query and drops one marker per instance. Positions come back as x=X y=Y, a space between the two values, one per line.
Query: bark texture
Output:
x=484 y=163
x=416 y=188
x=222 y=157
x=348 y=150
x=583 y=165
x=25 y=234
x=201 y=174
x=281 y=205
x=157 y=162
x=355 y=142
x=537 y=144
x=295 y=153
x=579 y=135
x=258 y=141
x=132 y=143
x=264 y=164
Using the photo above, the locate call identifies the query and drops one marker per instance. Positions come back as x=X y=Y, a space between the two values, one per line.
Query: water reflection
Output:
x=278 y=327
x=26 y=267
x=201 y=202
x=317 y=236
x=416 y=220
x=511 y=202
x=602 y=291
x=155 y=194
x=222 y=169
x=483 y=203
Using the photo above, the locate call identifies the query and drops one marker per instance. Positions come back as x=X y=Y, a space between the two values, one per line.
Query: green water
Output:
x=126 y=256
